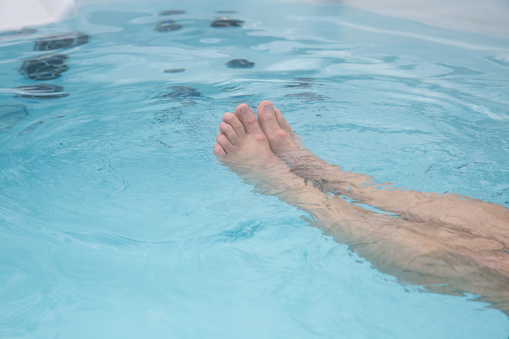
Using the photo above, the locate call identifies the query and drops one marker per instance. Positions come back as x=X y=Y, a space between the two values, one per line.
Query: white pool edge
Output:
x=488 y=17
x=17 y=14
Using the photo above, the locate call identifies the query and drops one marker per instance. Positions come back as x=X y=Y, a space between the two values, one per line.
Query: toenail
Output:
x=244 y=110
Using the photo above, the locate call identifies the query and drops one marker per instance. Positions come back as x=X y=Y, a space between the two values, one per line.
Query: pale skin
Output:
x=448 y=243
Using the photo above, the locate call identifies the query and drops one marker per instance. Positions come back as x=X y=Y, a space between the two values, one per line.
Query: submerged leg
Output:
x=424 y=255
x=478 y=218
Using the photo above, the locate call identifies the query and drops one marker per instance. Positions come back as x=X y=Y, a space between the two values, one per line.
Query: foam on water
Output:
x=117 y=221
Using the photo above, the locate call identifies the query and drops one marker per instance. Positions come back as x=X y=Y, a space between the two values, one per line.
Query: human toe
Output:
x=267 y=118
x=248 y=119
x=218 y=149
x=230 y=133
x=225 y=143
x=233 y=121
x=283 y=123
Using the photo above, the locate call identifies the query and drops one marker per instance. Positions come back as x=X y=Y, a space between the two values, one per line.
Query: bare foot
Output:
x=241 y=135
x=280 y=135
x=242 y=146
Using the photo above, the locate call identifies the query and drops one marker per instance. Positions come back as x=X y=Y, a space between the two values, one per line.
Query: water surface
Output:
x=117 y=221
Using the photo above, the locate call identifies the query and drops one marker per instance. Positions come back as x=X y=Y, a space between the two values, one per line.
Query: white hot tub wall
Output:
x=486 y=17
x=16 y=14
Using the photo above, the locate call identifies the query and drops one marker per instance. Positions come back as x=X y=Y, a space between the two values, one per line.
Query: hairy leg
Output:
x=476 y=218
x=394 y=245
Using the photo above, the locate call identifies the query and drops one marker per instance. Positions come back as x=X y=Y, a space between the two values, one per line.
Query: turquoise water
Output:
x=116 y=221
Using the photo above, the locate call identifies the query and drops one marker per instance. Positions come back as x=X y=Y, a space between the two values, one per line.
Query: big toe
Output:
x=267 y=118
x=248 y=119
x=283 y=123
x=279 y=139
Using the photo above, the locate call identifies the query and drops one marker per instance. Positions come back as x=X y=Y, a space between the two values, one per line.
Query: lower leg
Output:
x=396 y=246
x=410 y=205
